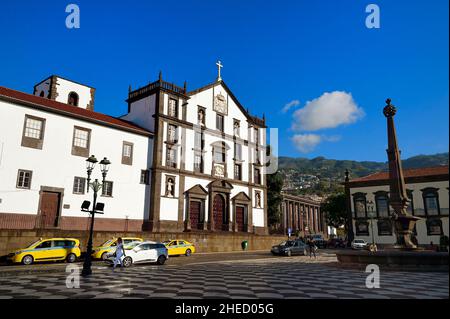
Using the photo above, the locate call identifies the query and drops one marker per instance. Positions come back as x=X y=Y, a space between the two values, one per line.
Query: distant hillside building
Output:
x=428 y=191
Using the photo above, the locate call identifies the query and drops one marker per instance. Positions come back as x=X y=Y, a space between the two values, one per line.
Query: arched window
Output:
x=73 y=99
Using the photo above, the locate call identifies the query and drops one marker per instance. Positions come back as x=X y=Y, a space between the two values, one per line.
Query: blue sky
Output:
x=273 y=53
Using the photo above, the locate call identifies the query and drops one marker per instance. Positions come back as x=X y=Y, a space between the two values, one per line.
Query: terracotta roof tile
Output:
x=412 y=172
x=71 y=111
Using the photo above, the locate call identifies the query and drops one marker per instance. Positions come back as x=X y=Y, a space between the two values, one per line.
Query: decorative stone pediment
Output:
x=242 y=197
x=197 y=190
x=220 y=185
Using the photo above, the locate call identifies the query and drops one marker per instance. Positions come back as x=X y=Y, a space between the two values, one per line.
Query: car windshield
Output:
x=287 y=243
x=107 y=243
x=132 y=245
x=33 y=243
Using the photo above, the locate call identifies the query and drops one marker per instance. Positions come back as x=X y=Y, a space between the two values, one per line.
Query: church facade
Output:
x=181 y=160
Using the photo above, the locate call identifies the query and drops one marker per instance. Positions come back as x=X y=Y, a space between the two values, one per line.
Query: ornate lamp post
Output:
x=371 y=213
x=97 y=208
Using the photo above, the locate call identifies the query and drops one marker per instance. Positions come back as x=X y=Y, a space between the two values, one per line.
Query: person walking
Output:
x=312 y=248
x=120 y=252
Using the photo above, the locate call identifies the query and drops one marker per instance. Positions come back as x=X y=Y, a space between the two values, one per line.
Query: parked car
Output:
x=336 y=243
x=359 y=244
x=319 y=241
x=109 y=246
x=179 y=247
x=289 y=248
x=51 y=249
x=142 y=252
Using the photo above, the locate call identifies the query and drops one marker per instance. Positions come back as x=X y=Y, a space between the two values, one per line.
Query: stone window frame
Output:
x=172 y=98
x=144 y=177
x=174 y=162
x=255 y=180
x=77 y=150
x=176 y=135
x=74 y=183
x=427 y=191
x=239 y=176
x=127 y=160
x=428 y=224
x=202 y=162
x=76 y=98
x=25 y=171
x=224 y=148
x=166 y=184
x=238 y=146
x=357 y=196
x=220 y=119
x=110 y=190
x=30 y=141
x=380 y=195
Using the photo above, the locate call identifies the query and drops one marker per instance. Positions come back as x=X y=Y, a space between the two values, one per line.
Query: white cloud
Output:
x=306 y=143
x=327 y=111
x=290 y=105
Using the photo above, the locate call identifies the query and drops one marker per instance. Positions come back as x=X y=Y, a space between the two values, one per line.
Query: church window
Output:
x=170 y=186
x=431 y=201
x=237 y=151
x=219 y=154
x=73 y=99
x=172 y=134
x=127 y=153
x=107 y=189
x=198 y=162
x=79 y=185
x=238 y=171
x=220 y=122
x=171 y=157
x=24 y=179
x=173 y=107
x=257 y=176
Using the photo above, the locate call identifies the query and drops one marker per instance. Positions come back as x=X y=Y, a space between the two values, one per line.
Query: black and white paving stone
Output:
x=295 y=277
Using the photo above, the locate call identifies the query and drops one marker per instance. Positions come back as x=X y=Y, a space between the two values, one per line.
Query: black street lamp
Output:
x=97 y=208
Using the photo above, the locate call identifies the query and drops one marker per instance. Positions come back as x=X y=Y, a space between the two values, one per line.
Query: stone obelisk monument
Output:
x=398 y=199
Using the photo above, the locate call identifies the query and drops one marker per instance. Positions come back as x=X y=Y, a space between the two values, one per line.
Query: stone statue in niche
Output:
x=258 y=200
x=236 y=128
x=170 y=188
x=201 y=117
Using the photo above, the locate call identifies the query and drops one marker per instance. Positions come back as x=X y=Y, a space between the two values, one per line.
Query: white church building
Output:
x=181 y=160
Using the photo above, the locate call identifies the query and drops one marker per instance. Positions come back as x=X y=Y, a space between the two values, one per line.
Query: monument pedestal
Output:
x=404 y=226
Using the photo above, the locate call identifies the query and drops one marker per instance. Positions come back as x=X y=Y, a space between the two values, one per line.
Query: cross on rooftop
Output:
x=219 y=66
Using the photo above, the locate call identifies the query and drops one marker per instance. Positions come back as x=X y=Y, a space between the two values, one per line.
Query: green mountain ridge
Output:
x=334 y=169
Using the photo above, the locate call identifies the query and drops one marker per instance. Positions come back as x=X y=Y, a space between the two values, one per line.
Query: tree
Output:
x=274 y=198
x=335 y=210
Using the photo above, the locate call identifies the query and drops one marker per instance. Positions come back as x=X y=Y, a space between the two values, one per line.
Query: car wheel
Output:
x=289 y=253
x=104 y=256
x=71 y=258
x=127 y=262
x=188 y=252
x=27 y=260
x=161 y=260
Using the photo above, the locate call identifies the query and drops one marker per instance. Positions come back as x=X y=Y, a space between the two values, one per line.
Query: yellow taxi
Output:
x=179 y=247
x=102 y=251
x=51 y=249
